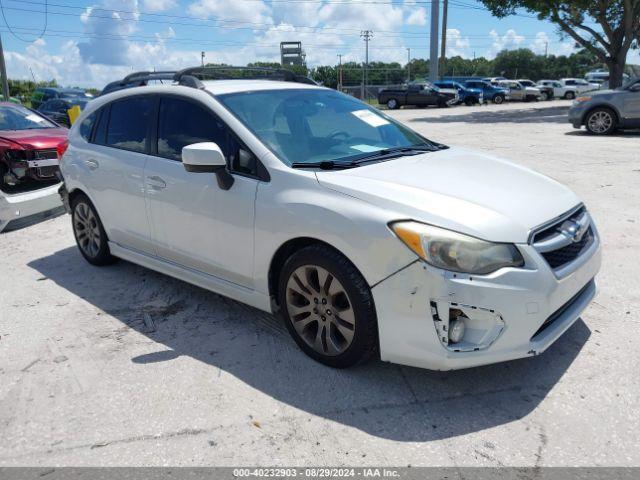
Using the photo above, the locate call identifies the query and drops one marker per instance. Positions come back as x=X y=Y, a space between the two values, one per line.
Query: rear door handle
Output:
x=91 y=164
x=156 y=182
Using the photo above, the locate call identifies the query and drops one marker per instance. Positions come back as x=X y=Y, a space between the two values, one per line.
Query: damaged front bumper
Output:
x=19 y=209
x=509 y=314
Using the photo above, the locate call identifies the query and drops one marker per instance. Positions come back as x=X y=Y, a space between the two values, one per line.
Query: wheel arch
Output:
x=284 y=252
x=602 y=105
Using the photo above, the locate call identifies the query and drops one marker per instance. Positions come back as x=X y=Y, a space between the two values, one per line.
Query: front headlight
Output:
x=454 y=251
x=581 y=99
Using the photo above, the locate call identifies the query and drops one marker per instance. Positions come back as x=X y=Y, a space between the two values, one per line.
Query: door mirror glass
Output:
x=203 y=157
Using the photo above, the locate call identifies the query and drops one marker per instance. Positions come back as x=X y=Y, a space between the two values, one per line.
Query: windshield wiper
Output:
x=388 y=153
x=324 y=165
x=384 y=154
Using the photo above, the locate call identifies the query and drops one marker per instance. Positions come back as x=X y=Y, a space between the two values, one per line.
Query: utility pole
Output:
x=546 y=49
x=3 y=74
x=340 y=72
x=408 y=65
x=366 y=35
x=443 y=46
x=202 y=58
x=435 y=21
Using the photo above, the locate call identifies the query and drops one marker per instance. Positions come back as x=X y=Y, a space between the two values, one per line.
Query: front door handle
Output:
x=156 y=182
x=91 y=164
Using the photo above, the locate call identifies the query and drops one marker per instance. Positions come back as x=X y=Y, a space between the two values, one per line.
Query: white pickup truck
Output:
x=569 y=88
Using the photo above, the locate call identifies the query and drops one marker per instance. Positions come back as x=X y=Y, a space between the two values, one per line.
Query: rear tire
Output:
x=392 y=104
x=498 y=99
x=601 y=121
x=570 y=95
x=328 y=307
x=545 y=96
x=89 y=233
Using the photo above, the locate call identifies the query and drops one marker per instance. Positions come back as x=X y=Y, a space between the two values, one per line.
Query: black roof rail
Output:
x=246 y=73
x=137 y=79
x=192 y=77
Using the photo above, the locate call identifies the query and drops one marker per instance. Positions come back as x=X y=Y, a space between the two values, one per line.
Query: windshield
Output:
x=20 y=118
x=317 y=125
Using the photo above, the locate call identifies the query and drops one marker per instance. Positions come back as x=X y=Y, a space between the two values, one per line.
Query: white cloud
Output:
x=457 y=45
x=250 y=12
x=116 y=26
x=415 y=15
x=158 y=5
x=509 y=41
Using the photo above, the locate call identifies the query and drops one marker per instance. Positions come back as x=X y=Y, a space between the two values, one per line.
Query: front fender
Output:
x=357 y=229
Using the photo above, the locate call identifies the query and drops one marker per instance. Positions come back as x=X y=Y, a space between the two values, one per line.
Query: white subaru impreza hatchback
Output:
x=369 y=238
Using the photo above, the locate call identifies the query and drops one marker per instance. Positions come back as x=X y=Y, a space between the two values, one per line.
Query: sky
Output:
x=90 y=43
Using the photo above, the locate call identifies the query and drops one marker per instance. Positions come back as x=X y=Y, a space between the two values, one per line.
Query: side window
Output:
x=86 y=127
x=129 y=123
x=182 y=123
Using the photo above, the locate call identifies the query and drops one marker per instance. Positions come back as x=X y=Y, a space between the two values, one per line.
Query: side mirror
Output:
x=206 y=157
x=635 y=88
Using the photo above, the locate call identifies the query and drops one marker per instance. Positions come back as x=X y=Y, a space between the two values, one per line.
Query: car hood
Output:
x=39 y=138
x=458 y=189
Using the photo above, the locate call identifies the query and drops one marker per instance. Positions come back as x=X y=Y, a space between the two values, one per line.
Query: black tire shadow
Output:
x=617 y=134
x=554 y=114
x=385 y=400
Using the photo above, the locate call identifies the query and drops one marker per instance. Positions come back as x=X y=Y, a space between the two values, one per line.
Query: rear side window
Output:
x=86 y=127
x=129 y=122
x=183 y=123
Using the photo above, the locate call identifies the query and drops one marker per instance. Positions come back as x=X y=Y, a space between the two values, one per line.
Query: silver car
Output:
x=604 y=111
x=518 y=91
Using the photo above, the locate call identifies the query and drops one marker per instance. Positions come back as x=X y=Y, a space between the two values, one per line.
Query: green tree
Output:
x=618 y=27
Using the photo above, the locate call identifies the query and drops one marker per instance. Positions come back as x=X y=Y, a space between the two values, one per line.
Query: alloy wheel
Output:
x=87 y=230
x=392 y=104
x=600 y=122
x=320 y=310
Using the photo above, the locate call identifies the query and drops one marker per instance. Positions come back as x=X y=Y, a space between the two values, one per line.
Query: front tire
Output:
x=545 y=96
x=601 y=121
x=328 y=307
x=570 y=95
x=392 y=104
x=89 y=232
x=498 y=99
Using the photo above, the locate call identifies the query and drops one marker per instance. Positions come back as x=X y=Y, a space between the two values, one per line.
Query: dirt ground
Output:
x=123 y=366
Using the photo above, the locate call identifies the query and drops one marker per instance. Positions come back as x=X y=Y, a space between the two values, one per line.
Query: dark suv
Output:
x=42 y=94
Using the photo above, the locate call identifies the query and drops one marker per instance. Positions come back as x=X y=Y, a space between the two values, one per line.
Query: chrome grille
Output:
x=565 y=239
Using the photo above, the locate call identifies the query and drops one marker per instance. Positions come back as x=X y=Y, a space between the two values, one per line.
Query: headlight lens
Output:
x=582 y=99
x=454 y=251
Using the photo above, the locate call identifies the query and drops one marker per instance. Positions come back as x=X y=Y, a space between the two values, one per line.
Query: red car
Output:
x=28 y=163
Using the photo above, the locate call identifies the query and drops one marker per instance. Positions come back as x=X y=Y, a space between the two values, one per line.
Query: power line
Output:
x=44 y=28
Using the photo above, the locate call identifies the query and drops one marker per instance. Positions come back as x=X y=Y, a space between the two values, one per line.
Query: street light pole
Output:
x=202 y=58
x=340 y=73
x=3 y=74
x=435 y=21
x=408 y=65
x=366 y=35
x=443 y=46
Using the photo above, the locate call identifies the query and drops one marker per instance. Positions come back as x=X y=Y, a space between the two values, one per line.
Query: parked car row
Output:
x=496 y=90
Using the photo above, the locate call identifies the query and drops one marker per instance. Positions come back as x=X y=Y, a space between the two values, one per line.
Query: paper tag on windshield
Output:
x=366 y=148
x=371 y=118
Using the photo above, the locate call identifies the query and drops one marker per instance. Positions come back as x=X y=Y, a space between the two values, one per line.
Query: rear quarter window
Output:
x=87 y=125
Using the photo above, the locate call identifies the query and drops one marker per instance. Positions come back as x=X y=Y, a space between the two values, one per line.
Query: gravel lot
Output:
x=123 y=366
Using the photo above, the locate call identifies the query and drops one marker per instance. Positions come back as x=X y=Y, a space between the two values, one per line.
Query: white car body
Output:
x=226 y=240
x=579 y=85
